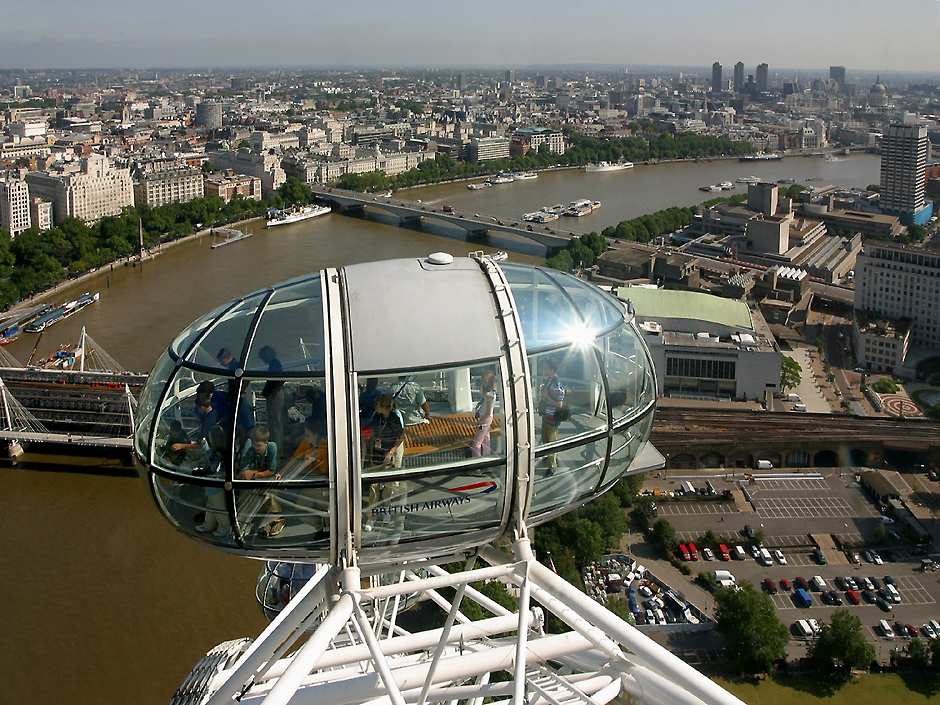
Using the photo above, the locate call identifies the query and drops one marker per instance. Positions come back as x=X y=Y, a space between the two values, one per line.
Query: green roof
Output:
x=667 y=303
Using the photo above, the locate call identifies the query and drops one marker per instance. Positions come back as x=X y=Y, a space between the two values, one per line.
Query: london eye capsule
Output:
x=403 y=409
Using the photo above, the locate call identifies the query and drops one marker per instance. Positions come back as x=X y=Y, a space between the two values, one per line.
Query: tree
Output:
x=664 y=536
x=561 y=261
x=917 y=654
x=643 y=512
x=841 y=646
x=754 y=636
x=935 y=655
x=790 y=373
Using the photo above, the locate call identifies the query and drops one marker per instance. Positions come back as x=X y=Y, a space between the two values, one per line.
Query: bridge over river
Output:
x=477 y=226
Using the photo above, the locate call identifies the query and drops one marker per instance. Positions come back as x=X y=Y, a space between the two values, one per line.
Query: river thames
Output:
x=106 y=602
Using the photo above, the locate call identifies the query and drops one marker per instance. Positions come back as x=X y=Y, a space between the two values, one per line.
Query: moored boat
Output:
x=294 y=215
x=607 y=166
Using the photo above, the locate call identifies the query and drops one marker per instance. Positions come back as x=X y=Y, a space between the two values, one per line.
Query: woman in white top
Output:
x=480 y=443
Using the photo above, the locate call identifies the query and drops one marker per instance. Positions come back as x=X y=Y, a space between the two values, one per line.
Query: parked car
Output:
x=684 y=552
x=769 y=586
x=814 y=625
x=876 y=559
x=864 y=583
x=785 y=585
x=911 y=630
x=818 y=583
x=867 y=556
x=779 y=557
x=802 y=598
x=869 y=597
x=853 y=597
x=819 y=557
x=929 y=631
x=876 y=582
x=889 y=580
x=724 y=552
x=850 y=581
x=883 y=604
x=886 y=631
x=708 y=554
x=840 y=582
x=892 y=594
x=739 y=553
x=800 y=583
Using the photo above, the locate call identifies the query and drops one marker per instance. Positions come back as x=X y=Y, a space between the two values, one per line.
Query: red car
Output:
x=800 y=583
x=785 y=584
x=853 y=596
x=684 y=552
x=693 y=551
x=911 y=630
x=724 y=552
x=769 y=586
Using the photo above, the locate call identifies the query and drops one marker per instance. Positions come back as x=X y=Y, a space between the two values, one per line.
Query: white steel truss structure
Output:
x=327 y=647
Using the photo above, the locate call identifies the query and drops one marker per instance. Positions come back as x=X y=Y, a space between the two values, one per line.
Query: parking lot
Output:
x=790 y=484
x=687 y=508
x=807 y=508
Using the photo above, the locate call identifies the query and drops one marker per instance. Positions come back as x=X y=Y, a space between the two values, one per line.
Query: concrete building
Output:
x=876 y=224
x=763 y=79
x=40 y=213
x=739 y=77
x=904 y=149
x=837 y=74
x=92 y=190
x=178 y=185
x=897 y=282
x=209 y=115
x=532 y=138
x=265 y=166
x=14 y=205
x=763 y=198
x=881 y=344
x=485 y=148
x=705 y=346
x=716 y=77
x=227 y=186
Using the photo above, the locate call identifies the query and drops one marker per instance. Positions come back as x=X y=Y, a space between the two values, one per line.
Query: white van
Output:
x=765 y=558
x=886 y=631
x=791 y=397
x=893 y=592
x=799 y=407
x=804 y=628
x=765 y=465
x=739 y=553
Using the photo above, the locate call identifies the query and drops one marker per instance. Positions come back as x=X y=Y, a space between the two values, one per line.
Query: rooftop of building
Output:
x=870 y=324
x=863 y=216
x=667 y=303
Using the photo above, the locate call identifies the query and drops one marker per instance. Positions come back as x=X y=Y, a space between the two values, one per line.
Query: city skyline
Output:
x=859 y=35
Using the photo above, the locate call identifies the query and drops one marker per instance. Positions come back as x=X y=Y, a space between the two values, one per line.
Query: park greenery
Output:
x=841 y=646
x=34 y=261
x=885 y=385
x=790 y=373
x=581 y=150
x=579 y=253
x=754 y=636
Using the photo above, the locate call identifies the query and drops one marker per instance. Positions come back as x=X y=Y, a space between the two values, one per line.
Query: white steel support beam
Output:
x=381 y=663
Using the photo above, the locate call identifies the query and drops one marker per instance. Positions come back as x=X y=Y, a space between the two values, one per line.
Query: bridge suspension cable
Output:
x=7 y=359
x=16 y=417
x=95 y=357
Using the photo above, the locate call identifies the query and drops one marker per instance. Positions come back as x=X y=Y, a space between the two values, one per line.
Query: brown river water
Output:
x=106 y=603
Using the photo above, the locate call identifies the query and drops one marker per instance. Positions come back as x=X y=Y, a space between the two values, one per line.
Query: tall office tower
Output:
x=904 y=149
x=14 y=206
x=716 y=77
x=738 y=77
x=510 y=76
x=900 y=283
x=461 y=81
x=762 y=82
x=209 y=115
x=837 y=74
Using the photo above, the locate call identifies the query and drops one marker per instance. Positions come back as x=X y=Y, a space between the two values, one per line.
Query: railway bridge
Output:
x=698 y=438
x=413 y=215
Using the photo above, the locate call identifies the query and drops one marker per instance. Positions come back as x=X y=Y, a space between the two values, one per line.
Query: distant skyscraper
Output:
x=209 y=115
x=716 y=77
x=837 y=74
x=904 y=169
x=738 y=77
x=762 y=82
x=510 y=75
x=461 y=81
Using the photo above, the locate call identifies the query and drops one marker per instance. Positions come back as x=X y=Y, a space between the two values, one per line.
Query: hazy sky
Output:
x=864 y=34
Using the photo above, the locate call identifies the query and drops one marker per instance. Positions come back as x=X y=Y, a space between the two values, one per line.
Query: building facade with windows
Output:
x=904 y=148
x=705 y=346
x=14 y=206
x=483 y=149
x=227 y=186
x=527 y=139
x=93 y=190
x=177 y=185
x=898 y=282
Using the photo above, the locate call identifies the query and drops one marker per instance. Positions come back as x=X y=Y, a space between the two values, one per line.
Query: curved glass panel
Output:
x=629 y=377
x=221 y=349
x=455 y=501
x=564 y=477
x=568 y=391
x=194 y=424
x=628 y=440
x=148 y=401
x=289 y=337
x=548 y=318
x=599 y=312
x=279 y=582
x=289 y=417
x=196 y=510
x=280 y=517
x=441 y=417
x=181 y=343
